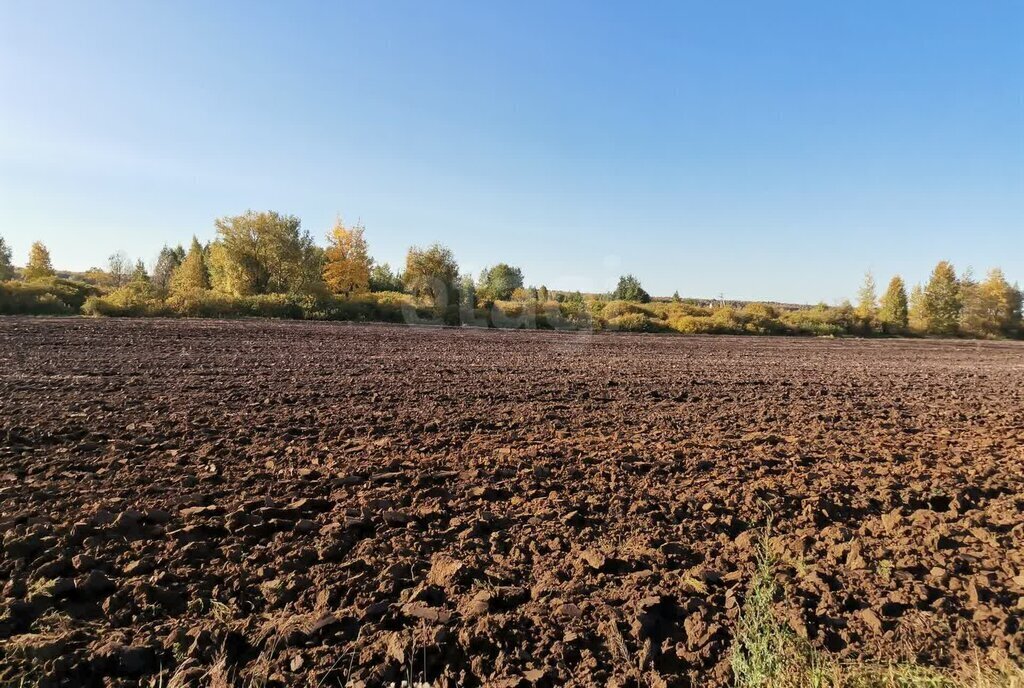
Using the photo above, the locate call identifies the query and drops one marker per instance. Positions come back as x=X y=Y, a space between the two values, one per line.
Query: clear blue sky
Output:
x=771 y=150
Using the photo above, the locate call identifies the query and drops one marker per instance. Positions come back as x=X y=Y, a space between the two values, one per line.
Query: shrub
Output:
x=760 y=318
x=372 y=307
x=613 y=309
x=513 y=315
x=728 y=319
x=282 y=306
x=30 y=299
x=696 y=324
x=46 y=296
x=821 y=320
x=202 y=303
x=391 y=298
x=658 y=310
x=73 y=294
x=510 y=309
x=671 y=311
x=574 y=314
x=631 y=322
x=132 y=300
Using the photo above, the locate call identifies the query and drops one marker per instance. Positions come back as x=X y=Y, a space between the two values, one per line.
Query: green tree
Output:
x=431 y=273
x=894 y=311
x=629 y=289
x=542 y=294
x=267 y=252
x=383 y=279
x=167 y=261
x=95 y=276
x=39 y=265
x=192 y=274
x=867 y=299
x=497 y=283
x=991 y=308
x=942 y=300
x=139 y=274
x=6 y=267
x=675 y=297
x=467 y=293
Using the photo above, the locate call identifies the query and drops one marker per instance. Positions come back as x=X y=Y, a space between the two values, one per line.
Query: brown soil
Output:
x=297 y=504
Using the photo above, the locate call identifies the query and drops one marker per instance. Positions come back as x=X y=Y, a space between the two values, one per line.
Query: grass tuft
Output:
x=768 y=654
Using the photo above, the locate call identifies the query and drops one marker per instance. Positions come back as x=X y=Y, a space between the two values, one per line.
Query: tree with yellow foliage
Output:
x=943 y=300
x=893 y=312
x=193 y=274
x=867 y=299
x=346 y=261
x=991 y=308
x=39 y=265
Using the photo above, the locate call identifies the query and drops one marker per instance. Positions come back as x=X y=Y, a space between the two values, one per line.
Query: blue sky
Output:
x=761 y=150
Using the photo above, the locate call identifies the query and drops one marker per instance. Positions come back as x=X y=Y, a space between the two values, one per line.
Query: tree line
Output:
x=265 y=263
x=269 y=253
x=947 y=305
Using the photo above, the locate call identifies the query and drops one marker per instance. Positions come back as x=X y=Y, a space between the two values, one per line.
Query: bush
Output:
x=820 y=321
x=728 y=319
x=60 y=297
x=136 y=299
x=47 y=296
x=660 y=310
x=696 y=324
x=372 y=307
x=675 y=310
x=391 y=298
x=760 y=318
x=632 y=322
x=281 y=306
x=72 y=293
x=613 y=309
x=575 y=314
x=313 y=306
x=510 y=309
x=22 y=299
x=202 y=303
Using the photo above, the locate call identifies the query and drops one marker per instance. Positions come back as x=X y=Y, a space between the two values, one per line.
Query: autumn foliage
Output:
x=347 y=263
x=264 y=264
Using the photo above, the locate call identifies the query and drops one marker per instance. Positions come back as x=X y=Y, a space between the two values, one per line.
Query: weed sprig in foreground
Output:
x=768 y=654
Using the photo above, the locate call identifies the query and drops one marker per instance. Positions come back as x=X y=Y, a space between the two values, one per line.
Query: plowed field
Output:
x=260 y=503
